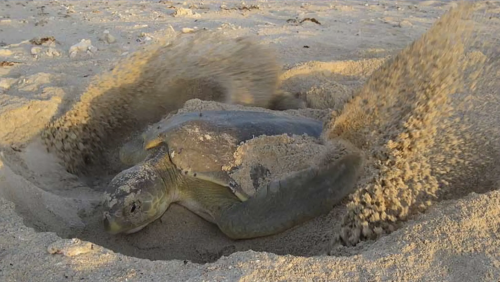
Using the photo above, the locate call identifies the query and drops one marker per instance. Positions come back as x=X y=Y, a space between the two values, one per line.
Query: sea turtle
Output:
x=179 y=160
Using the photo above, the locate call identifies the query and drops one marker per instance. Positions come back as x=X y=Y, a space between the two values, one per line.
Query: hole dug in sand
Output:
x=427 y=121
x=51 y=199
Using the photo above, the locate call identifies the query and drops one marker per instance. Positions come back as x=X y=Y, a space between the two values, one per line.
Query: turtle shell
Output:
x=202 y=143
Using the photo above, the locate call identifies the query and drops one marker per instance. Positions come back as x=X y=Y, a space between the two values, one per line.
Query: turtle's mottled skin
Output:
x=179 y=161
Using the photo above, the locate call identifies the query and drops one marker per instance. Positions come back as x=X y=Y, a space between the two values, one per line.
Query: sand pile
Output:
x=404 y=119
x=426 y=120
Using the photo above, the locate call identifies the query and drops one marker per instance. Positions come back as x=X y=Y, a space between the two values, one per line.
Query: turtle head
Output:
x=136 y=197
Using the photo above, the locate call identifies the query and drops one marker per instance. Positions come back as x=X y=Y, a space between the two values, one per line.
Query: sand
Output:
x=444 y=228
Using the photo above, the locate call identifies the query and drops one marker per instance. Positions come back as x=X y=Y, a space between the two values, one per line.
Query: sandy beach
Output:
x=410 y=84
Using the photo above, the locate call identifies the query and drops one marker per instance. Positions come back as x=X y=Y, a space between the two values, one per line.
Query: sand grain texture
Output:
x=424 y=113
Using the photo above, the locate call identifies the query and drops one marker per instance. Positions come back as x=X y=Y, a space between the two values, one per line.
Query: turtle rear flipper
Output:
x=291 y=201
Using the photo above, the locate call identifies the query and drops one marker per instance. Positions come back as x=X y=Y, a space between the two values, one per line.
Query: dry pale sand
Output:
x=427 y=207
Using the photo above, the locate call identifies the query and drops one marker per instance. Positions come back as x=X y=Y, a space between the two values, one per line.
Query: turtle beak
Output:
x=110 y=225
x=113 y=228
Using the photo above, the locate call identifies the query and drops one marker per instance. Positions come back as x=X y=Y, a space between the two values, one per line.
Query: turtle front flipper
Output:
x=222 y=178
x=291 y=201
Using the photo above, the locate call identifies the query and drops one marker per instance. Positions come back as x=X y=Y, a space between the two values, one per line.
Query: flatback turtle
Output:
x=180 y=160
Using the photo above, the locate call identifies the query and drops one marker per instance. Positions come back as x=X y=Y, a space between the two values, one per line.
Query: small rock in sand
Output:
x=179 y=12
x=52 y=52
x=36 y=50
x=144 y=37
x=405 y=23
x=82 y=46
x=91 y=49
x=108 y=38
x=188 y=30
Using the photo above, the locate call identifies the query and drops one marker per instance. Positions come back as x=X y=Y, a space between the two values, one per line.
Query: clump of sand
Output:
x=267 y=158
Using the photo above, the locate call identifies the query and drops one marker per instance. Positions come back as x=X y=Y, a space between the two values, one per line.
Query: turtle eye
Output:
x=135 y=206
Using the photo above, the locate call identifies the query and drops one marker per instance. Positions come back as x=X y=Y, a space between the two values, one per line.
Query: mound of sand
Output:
x=419 y=142
x=426 y=120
